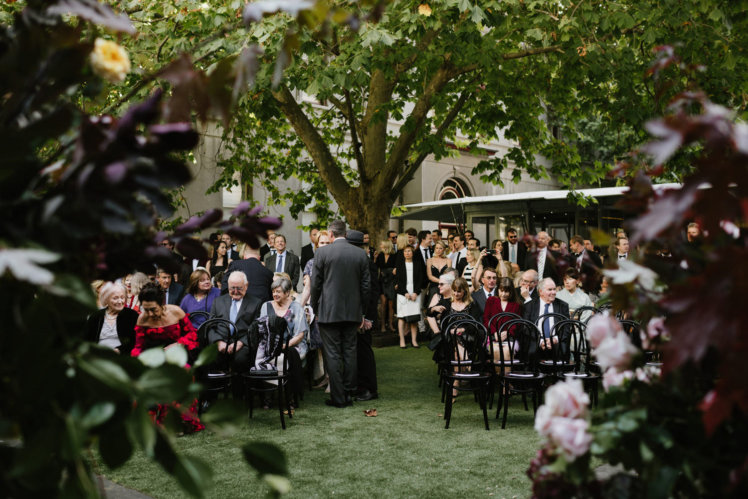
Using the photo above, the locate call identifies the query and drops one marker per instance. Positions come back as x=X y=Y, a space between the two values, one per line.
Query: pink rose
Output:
x=655 y=329
x=600 y=327
x=567 y=399
x=543 y=419
x=570 y=437
x=612 y=378
x=615 y=351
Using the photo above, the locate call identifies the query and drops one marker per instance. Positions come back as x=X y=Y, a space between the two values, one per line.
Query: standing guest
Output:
x=200 y=296
x=402 y=242
x=137 y=282
x=435 y=266
x=307 y=251
x=269 y=247
x=258 y=276
x=283 y=260
x=451 y=247
x=173 y=290
x=315 y=340
x=408 y=284
x=231 y=251
x=487 y=289
x=494 y=259
x=367 y=366
x=513 y=250
x=586 y=263
x=436 y=236
x=340 y=290
x=458 y=253
x=114 y=325
x=96 y=287
x=505 y=300
x=412 y=234
x=543 y=260
x=241 y=309
x=554 y=245
x=693 y=235
x=573 y=295
x=164 y=326
x=423 y=251
x=385 y=263
x=220 y=260
x=622 y=249
x=392 y=236
x=472 y=257
x=367 y=241
x=527 y=286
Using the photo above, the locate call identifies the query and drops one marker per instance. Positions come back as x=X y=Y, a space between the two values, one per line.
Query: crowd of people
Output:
x=408 y=284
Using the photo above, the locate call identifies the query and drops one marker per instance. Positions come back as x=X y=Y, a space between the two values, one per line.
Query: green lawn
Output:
x=405 y=451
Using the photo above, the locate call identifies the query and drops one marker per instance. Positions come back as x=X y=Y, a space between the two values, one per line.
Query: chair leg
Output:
x=500 y=401
x=250 y=397
x=281 y=403
x=524 y=400
x=448 y=406
x=483 y=403
x=506 y=409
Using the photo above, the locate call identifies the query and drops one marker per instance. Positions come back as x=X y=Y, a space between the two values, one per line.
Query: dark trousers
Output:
x=367 y=366
x=339 y=347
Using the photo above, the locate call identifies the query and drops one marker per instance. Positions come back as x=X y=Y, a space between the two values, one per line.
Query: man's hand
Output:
x=524 y=291
x=221 y=346
x=367 y=325
x=235 y=347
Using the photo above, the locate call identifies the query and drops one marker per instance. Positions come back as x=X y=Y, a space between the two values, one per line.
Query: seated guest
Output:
x=163 y=326
x=505 y=301
x=114 y=325
x=241 y=309
x=462 y=301
x=527 y=286
x=488 y=288
x=258 y=276
x=573 y=295
x=441 y=302
x=173 y=290
x=200 y=295
x=137 y=282
x=546 y=304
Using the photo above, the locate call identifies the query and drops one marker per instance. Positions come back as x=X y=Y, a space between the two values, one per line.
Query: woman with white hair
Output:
x=137 y=282
x=114 y=325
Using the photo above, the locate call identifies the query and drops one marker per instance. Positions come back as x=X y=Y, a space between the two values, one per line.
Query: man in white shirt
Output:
x=543 y=260
x=622 y=247
x=459 y=252
x=544 y=305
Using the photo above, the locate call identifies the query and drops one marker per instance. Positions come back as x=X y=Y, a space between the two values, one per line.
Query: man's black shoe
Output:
x=332 y=403
x=366 y=395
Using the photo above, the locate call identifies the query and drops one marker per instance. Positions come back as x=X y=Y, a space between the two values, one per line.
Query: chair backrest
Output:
x=467 y=344
x=495 y=322
x=522 y=342
x=222 y=329
x=573 y=344
x=450 y=317
x=631 y=328
x=267 y=337
x=580 y=312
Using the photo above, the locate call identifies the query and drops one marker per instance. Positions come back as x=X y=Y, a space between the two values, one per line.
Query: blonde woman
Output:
x=385 y=262
x=435 y=267
x=472 y=269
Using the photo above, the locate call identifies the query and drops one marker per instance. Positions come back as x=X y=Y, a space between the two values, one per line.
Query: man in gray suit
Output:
x=284 y=261
x=340 y=288
x=241 y=309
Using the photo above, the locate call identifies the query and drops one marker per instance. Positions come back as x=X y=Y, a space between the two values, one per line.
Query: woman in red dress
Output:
x=164 y=326
x=505 y=301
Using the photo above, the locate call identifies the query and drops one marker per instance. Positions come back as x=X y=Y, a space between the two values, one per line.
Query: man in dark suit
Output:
x=284 y=261
x=547 y=304
x=587 y=263
x=365 y=360
x=458 y=255
x=513 y=250
x=307 y=251
x=489 y=279
x=543 y=260
x=341 y=283
x=527 y=290
x=268 y=248
x=241 y=309
x=230 y=247
x=173 y=290
x=260 y=278
x=422 y=253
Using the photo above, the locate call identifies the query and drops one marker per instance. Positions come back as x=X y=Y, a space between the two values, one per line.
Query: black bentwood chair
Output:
x=525 y=379
x=580 y=358
x=218 y=377
x=266 y=339
x=468 y=364
x=494 y=331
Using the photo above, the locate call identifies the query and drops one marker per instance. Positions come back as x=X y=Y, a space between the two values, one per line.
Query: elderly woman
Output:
x=114 y=325
x=200 y=295
x=440 y=303
x=137 y=282
x=573 y=295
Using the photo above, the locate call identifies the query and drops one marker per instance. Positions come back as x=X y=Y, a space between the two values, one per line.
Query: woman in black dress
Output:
x=385 y=262
x=220 y=260
x=435 y=267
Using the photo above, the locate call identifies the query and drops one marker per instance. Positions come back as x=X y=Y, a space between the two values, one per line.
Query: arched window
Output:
x=454 y=188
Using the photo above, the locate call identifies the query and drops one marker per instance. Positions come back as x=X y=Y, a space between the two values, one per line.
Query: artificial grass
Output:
x=404 y=451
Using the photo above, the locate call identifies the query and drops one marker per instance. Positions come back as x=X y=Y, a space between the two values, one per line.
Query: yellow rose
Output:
x=424 y=9
x=110 y=61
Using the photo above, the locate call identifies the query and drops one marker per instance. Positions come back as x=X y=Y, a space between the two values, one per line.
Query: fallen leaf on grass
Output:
x=370 y=413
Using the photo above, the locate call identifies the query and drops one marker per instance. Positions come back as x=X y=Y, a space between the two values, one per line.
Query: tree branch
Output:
x=407 y=174
x=354 y=137
x=531 y=52
x=314 y=143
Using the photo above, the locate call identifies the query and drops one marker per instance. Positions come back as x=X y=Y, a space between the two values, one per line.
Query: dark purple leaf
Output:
x=241 y=208
x=196 y=223
x=174 y=136
x=191 y=248
x=92 y=10
x=115 y=172
x=244 y=235
x=661 y=150
x=145 y=112
x=246 y=69
x=668 y=211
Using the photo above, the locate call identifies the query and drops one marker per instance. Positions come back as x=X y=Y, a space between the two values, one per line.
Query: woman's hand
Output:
x=438 y=309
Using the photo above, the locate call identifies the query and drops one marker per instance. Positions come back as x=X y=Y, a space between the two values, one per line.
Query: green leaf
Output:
x=193 y=474
x=225 y=412
x=163 y=384
x=153 y=357
x=107 y=372
x=141 y=429
x=207 y=356
x=176 y=355
x=97 y=414
x=645 y=452
x=266 y=458
x=114 y=446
